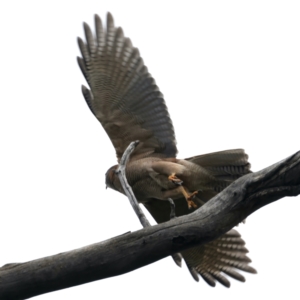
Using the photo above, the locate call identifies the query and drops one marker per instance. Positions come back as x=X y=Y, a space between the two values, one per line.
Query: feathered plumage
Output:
x=123 y=96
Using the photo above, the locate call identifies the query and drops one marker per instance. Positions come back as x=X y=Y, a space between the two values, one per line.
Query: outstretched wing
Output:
x=123 y=95
x=214 y=259
x=227 y=253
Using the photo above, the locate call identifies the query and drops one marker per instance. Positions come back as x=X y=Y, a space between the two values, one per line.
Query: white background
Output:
x=229 y=71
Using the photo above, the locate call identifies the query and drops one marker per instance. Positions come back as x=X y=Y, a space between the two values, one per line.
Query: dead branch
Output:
x=132 y=200
x=134 y=250
x=127 y=188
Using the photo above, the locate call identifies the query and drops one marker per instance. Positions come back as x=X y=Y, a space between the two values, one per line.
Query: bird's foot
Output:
x=189 y=196
x=175 y=179
x=190 y=202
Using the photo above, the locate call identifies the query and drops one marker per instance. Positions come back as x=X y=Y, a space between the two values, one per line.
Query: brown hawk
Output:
x=123 y=96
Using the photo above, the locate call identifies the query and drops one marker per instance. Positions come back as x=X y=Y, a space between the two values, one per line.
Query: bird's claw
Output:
x=188 y=196
x=190 y=202
x=192 y=195
x=175 y=179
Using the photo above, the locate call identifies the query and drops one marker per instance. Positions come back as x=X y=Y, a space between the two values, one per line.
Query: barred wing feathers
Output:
x=212 y=261
x=123 y=95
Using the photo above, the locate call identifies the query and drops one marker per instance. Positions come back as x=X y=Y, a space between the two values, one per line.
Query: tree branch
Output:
x=134 y=250
x=130 y=195
x=127 y=188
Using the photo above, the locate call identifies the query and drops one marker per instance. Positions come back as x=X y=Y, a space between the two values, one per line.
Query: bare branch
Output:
x=134 y=250
x=129 y=193
x=126 y=187
x=172 y=204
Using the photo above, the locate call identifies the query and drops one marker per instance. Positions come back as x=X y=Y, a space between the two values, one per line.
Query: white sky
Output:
x=228 y=69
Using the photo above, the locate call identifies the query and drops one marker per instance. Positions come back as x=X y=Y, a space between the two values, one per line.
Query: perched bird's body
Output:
x=124 y=97
x=149 y=177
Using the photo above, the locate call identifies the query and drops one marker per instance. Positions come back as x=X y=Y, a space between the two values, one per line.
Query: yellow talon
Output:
x=188 y=197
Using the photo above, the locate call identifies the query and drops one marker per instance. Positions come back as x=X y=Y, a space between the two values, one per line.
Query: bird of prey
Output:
x=123 y=96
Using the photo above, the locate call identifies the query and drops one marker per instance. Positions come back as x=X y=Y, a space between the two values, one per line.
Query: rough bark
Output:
x=134 y=250
x=121 y=171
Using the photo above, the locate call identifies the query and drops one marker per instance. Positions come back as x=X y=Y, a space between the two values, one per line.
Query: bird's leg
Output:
x=175 y=179
x=188 y=196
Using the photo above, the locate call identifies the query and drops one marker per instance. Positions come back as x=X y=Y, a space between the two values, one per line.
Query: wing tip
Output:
x=79 y=41
x=86 y=28
x=177 y=257
x=109 y=20
x=251 y=270
x=194 y=273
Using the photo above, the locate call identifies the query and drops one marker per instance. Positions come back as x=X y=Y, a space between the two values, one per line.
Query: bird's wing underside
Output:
x=123 y=95
x=211 y=261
